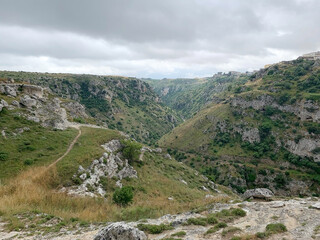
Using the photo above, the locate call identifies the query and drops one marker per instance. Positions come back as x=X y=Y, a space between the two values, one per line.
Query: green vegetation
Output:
x=246 y=146
x=35 y=146
x=179 y=234
x=138 y=111
x=159 y=177
x=225 y=215
x=154 y=229
x=131 y=150
x=188 y=96
x=272 y=228
x=123 y=196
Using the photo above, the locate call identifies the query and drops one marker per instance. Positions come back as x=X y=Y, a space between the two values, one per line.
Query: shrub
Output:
x=275 y=228
x=179 y=234
x=197 y=221
x=28 y=162
x=3 y=156
x=238 y=212
x=154 y=229
x=131 y=150
x=212 y=220
x=123 y=196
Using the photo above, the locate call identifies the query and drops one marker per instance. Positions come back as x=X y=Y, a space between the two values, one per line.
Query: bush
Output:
x=131 y=150
x=28 y=162
x=275 y=228
x=154 y=229
x=3 y=156
x=197 y=221
x=238 y=212
x=123 y=196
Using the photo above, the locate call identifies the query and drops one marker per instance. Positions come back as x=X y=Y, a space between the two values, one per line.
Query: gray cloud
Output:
x=154 y=38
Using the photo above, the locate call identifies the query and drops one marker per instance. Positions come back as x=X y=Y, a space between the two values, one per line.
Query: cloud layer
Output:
x=167 y=38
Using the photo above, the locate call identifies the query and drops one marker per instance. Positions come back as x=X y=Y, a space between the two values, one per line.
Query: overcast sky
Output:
x=155 y=38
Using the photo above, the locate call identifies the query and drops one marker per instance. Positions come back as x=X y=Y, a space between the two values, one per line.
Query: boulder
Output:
x=316 y=206
x=27 y=101
x=120 y=231
x=15 y=103
x=10 y=91
x=4 y=103
x=262 y=193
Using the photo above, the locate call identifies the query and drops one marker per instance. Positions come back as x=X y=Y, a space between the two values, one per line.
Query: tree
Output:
x=131 y=150
x=123 y=196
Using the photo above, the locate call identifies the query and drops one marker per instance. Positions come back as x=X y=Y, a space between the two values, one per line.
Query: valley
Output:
x=168 y=159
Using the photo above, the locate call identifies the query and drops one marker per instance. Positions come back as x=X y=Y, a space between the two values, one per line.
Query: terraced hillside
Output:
x=265 y=133
x=125 y=104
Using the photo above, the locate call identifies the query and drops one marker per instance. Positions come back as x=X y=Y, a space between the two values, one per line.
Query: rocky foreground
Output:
x=301 y=217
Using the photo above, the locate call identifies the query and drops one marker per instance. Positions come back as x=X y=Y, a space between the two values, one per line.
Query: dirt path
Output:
x=69 y=148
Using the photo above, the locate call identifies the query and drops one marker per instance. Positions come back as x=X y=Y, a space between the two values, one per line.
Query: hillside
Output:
x=60 y=174
x=265 y=133
x=125 y=104
x=188 y=96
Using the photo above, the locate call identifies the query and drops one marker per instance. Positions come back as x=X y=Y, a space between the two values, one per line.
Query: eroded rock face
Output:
x=251 y=135
x=75 y=109
x=262 y=193
x=40 y=107
x=110 y=165
x=305 y=147
x=120 y=231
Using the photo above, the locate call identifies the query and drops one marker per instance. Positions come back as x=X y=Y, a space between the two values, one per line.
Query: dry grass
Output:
x=35 y=190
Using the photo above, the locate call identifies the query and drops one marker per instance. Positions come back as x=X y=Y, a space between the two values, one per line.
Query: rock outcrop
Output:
x=120 y=231
x=110 y=165
x=40 y=106
x=261 y=193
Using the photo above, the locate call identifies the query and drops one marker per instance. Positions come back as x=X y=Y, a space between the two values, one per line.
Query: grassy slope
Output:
x=197 y=136
x=35 y=188
x=35 y=147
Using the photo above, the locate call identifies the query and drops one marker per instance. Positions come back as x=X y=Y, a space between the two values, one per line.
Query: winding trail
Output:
x=69 y=148
x=76 y=126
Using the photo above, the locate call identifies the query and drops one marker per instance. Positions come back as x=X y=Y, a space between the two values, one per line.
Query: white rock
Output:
x=204 y=188
x=277 y=204
x=184 y=182
x=83 y=176
x=120 y=231
x=316 y=205
x=28 y=102
x=263 y=193
x=119 y=184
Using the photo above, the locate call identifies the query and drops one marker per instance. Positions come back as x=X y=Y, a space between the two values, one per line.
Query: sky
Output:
x=155 y=38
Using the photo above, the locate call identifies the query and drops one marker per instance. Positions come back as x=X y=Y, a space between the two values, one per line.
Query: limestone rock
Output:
x=277 y=204
x=120 y=231
x=262 y=193
x=75 y=109
x=251 y=135
x=113 y=145
x=27 y=101
x=4 y=103
x=15 y=103
x=316 y=205
x=10 y=90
